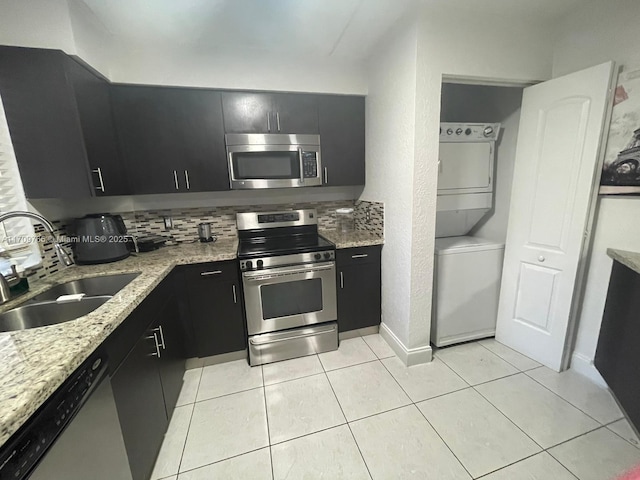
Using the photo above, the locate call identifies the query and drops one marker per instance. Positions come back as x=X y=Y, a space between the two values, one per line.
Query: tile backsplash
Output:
x=368 y=215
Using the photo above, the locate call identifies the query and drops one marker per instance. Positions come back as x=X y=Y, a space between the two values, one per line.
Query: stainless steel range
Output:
x=289 y=280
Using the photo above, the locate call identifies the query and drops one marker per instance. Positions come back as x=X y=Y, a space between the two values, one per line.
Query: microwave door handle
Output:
x=301 y=165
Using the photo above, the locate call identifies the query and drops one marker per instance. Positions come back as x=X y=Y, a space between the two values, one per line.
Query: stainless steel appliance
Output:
x=75 y=435
x=273 y=160
x=204 y=232
x=100 y=238
x=289 y=280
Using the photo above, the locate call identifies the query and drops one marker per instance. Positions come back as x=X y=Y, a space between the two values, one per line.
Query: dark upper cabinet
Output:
x=359 y=287
x=172 y=138
x=214 y=309
x=342 y=142
x=253 y=112
x=94 y=108
x=44 y=123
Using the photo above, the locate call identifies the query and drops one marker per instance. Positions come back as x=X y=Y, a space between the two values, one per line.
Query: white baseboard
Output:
x=409 y=356
x=584 y=366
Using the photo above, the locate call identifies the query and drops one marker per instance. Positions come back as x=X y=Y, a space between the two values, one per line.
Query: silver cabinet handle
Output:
x=301 y=164
x=155 y=339
x=268 y=121
x=235 y=297
x=214 y=272
x=360 y=255
x=341 y=280
x=161 y=332
x=278 y=120
x=326 y=175
x=186 y=179
x=175 y=179
x=99 y=172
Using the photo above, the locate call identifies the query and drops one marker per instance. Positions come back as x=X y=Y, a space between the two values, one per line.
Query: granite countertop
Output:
x=35 y=362
x=628 y=259
x=357 y=238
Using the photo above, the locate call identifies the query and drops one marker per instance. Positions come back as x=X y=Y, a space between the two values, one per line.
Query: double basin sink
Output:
x=46 y=309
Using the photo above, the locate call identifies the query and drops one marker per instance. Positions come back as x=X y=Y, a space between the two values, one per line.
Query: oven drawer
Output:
x=298 y=342
x=358 y=255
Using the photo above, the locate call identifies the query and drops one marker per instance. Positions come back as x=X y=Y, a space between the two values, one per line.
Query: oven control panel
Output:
x=283 y=260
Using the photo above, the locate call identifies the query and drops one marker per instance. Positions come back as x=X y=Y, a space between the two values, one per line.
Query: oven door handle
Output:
x=295 y=337
x=278 y=272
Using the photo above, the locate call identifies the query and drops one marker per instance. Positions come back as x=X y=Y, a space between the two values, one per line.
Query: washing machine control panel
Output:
x=469 y=132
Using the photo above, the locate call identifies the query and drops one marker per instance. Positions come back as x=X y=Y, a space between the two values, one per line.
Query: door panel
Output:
x=557 y=160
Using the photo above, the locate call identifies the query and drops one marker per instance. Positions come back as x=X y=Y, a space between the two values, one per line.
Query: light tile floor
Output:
x=479 y=410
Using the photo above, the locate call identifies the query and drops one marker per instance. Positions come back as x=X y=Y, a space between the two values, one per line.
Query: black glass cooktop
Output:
x=282 y=245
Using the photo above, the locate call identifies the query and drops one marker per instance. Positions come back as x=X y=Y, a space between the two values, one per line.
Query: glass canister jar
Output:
x=345 y=220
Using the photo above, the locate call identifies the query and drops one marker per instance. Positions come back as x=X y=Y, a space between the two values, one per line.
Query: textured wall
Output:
x=592 y=34
x=390 y=130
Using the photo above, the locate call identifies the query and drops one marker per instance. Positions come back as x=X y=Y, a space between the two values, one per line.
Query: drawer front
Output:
x=226 y=271
x=358 y=255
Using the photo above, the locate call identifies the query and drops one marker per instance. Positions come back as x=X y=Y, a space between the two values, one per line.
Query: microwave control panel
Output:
x=309 y=164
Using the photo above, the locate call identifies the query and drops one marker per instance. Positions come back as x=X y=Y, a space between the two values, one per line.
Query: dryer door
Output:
x=465 y=168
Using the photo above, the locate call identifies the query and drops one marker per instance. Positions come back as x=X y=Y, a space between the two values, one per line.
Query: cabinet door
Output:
x=205 y=167
x=215 y=309
x=146 y=129
x=248 y=112
x=359 y=296
x=342 y=139
x=94 y=107
x=137 y=390
x=172 y=356
x=296 y=113
x=43 y=122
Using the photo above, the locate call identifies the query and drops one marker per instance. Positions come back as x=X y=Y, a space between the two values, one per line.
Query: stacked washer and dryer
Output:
x=468 y=269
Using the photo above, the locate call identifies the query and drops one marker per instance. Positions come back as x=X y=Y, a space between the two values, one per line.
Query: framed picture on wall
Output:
x=621 y=171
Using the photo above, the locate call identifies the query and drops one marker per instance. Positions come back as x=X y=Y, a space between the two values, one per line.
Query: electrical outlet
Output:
x=168 y=223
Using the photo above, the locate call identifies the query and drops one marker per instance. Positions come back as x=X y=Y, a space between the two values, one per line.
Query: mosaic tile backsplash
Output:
x=368 y=215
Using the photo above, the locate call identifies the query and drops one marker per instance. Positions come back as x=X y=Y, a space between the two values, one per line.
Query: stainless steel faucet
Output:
x=61 y=253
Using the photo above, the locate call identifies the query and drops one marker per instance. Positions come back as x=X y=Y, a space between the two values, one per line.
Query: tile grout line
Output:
x=349 y=426
x=266 y=416
x=565 y=399
x=193 y=409
x=616 y=433
x=505 y=360
x=427 y=420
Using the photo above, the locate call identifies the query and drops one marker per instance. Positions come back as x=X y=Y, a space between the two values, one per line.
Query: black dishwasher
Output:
x=74 y=435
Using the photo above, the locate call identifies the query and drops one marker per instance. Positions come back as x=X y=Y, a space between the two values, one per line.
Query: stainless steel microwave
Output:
x=273 y=160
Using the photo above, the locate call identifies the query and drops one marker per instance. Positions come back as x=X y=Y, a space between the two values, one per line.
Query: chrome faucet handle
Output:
x=5 y=290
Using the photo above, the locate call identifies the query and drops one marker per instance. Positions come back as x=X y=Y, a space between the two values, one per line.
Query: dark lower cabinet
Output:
x=213 y=309
x=171 y=363
x=148 y=378
x=358 y=283
x=342 y=139
x=617 y=355
x=137 y=389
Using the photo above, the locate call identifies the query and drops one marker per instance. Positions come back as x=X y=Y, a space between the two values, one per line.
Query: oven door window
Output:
x=291 y=298
x=265 y=165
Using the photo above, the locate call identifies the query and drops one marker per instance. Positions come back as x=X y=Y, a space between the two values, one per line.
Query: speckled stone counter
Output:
x=357 y=238
x=628 y=259
x=35 y=362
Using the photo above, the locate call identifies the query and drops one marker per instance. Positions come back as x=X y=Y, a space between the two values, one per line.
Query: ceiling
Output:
x=345 y=29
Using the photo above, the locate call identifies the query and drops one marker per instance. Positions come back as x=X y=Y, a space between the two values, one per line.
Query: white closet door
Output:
x=557 y=160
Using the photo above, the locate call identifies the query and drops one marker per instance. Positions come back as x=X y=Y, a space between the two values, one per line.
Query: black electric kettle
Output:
x=99 y=238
